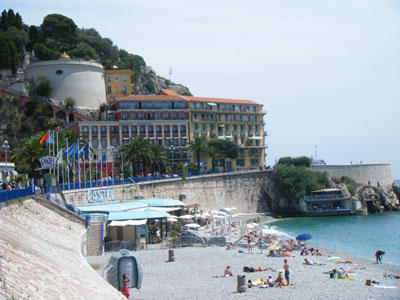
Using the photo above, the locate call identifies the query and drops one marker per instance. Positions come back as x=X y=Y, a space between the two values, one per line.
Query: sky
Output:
x=327 y=72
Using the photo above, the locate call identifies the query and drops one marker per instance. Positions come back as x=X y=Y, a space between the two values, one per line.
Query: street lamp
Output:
x=6 y=147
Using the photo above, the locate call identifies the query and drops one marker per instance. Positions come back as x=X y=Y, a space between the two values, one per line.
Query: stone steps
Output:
x=95 y=238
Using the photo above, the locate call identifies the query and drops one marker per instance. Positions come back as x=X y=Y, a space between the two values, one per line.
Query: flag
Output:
x=84 y=151
x=48 y=138
x=72 y=151
x=60 y=157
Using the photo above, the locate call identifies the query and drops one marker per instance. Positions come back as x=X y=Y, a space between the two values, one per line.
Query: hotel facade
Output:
x=172 y=121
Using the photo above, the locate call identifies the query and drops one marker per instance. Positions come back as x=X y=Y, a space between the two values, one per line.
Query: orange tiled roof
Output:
x=219 y=100
x=167 y=92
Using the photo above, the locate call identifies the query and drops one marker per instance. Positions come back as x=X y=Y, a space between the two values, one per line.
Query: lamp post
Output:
x=6 y=147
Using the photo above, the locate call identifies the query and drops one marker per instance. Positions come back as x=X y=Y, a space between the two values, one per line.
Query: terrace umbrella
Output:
x=304 y=237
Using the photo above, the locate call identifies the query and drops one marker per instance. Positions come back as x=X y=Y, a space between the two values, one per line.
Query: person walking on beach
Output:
x=287 y=272
x=125 y=289
x=249 y=248
x=260 y=244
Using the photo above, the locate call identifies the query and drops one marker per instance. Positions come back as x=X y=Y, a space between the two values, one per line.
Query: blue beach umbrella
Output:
x=304 y=237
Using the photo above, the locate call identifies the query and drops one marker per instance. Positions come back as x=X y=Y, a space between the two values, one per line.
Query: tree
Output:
x=83 y=50
x=159 y=159
x=227 y=149
x=44 y=53
x=62 y=30
x=18 y=36
x=43 y=86
x=5 y=60
x=294 y=182
x=136 y=151
x=28 y=152
x=69 y=103
x=4 y=21
x=197 y=145
x=14 y=58
x=214 y=153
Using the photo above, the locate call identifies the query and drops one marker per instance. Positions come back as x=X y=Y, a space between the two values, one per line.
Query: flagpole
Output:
x=79 y=168
x=69 y=186
x=90 y=168
x=58 y=172
x=52 y=136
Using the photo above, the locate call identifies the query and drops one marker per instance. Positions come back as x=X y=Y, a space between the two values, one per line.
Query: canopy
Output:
x=112 y=206
x=167 y=209
x=128 y=223
x=303 y=237
x=255 y=138
x=137 y=215
x=211 y=104
x=162 y=202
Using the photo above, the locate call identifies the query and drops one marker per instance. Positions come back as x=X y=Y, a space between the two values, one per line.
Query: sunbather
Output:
x=228 y=271
x=252 y=269
x=308 y=262
x=279 y=280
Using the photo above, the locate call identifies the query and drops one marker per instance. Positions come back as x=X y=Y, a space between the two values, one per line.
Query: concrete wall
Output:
x=361 y=173
x=241 y=190
x=81 y=80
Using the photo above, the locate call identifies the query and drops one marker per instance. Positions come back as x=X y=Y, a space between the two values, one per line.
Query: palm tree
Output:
x=197 y=145
x=160 y=159
x=214 y=153
x=29 y=151
x=135 y=151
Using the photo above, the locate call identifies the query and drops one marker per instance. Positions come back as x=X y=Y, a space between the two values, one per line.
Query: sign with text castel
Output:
x=100 y=196
x=48 y=162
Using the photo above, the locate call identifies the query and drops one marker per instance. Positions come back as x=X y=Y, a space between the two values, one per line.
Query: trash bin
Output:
x=171 y=255
x=241 y=283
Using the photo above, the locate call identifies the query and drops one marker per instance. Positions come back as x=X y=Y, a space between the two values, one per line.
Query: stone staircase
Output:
x=95 y=237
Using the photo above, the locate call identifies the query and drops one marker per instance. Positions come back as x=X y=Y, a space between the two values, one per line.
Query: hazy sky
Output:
x=326 y=71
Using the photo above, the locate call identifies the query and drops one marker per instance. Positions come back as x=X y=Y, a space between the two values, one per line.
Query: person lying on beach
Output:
x=252 y=269
x=391 y=276
x=279 y=280
x=228 y=271
x=342 y=274
x=371 y=282
x=308 y=262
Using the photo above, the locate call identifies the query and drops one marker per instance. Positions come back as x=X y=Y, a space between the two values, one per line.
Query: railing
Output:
x=133 y=180
x=17 y=193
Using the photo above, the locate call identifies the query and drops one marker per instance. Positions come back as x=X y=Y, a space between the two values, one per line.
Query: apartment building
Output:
x=240 y=121
x=118 y=83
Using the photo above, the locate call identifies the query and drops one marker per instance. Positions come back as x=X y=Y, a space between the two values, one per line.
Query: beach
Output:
x=192 y=276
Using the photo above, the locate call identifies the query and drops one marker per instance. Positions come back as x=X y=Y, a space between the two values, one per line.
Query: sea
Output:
x=357 y=235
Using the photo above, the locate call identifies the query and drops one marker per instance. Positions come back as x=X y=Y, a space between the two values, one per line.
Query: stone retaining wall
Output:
x=361 y=173
x=240 y=190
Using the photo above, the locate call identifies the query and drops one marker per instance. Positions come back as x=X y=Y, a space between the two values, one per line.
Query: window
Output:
x=183 y=129
x=123 y=78
x=150 y=129
x=134 y=130
x=104 y=143
x=256 y=128
x=194 y=105
x=158 y=129
x=240 y=162
x=194 y=117
x=114 y=142
x=132 y=116
x=124 y=89
x=201 y=105
x=157 y=116
x=211 y=126
x=123 y=116
x=85 y=130
x=226 y=118
x=196 y=127
x=181 y=115
x=142 y=130
x=109 y=89
x=241 y=129
x=166 y=129
x=240 y=118
x=174 y=129
x=218 y=106
x=242 y=141
x=255 y=119
x=226 y=127
x=103 y=130
x=125 y=130
x=253 y=162
x=111 y=117
x=234 y=128
x=165 y=116
x=254 y=108
x=114 y=130
x=219 y=117
x=257 y=143
x=249 y=128
x=233 y=107
x=218 y=163
x=140 y=116
x=248 y=119
x=234 y=118
x=108 y=78
x=235 y=138
x=203 y=128
x=247 y=107
x=116 y=78
x=94 y=130
x=95 y=143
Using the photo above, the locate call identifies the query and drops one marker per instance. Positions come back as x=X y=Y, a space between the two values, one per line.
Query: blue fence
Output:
x=17 y=193
x=130 y=180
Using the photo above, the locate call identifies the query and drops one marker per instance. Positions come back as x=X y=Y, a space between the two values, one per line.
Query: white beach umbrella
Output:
x=172 y=220
x=192 y=225
x=186 y=217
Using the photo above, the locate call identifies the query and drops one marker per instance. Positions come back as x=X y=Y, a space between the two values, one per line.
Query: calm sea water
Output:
x=359 y=235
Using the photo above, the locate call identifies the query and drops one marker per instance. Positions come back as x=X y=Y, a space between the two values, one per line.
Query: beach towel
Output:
x=383 y=286
x=245 y=252
x=334 y=258
x=345 y=278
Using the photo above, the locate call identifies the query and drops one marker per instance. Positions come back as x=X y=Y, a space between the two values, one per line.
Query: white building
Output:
x=79 y=79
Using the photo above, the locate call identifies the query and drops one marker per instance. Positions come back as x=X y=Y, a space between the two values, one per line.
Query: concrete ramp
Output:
x=40 y=256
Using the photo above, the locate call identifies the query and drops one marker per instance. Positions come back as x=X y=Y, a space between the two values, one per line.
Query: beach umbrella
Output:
x=304 y=237
x=192 y=225
x=172 y=220
x=186 y=217
x=273 y=247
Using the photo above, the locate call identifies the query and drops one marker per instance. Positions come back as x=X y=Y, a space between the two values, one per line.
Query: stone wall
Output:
x=241 y=190
x=361 y=173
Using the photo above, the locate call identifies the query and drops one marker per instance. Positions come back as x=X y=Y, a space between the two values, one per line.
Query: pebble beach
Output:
x=193 y=276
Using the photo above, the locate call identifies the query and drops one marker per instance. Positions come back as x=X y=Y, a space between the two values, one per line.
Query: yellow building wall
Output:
x=244 y=147
x=114 y=82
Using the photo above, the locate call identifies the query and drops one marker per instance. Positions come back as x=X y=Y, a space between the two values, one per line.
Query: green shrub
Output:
x=350 y=184
x=336 y=179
